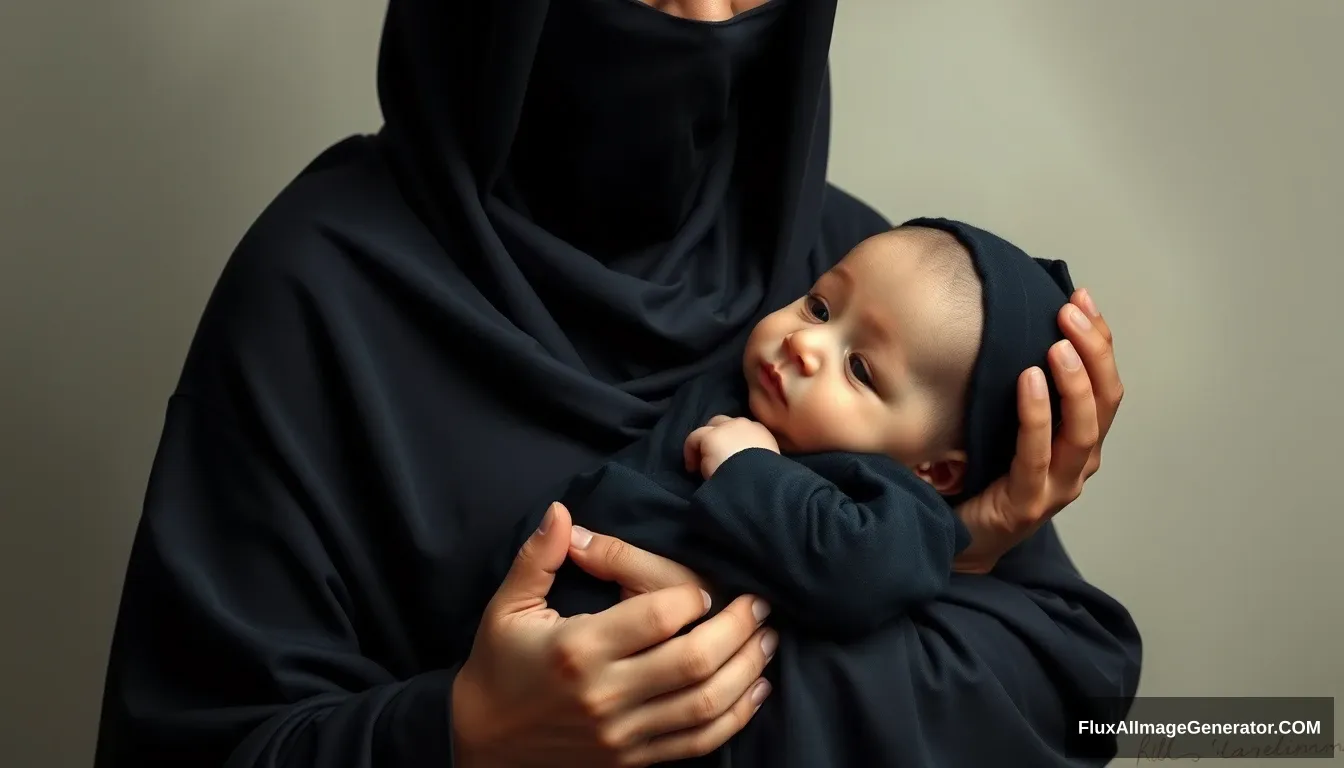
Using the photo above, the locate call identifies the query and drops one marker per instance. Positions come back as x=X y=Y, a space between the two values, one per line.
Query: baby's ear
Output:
x=946 y=474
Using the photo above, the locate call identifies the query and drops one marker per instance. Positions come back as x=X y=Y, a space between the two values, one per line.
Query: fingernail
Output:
x=1089 y=305
x=759 y=693
x=705 y=596
x=769 y=642
x=1078 y=319
x=580 y=537
x=1069 y=356
x=1036 y=382
x=760 y=609
x=546 y=520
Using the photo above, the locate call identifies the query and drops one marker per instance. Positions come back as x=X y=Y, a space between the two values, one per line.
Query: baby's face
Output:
x=868 y=361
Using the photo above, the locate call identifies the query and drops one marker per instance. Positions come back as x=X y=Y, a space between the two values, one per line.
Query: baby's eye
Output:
x=860 y=370
x=817 y=308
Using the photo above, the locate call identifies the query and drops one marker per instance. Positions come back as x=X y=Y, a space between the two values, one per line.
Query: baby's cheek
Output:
x=825 y=429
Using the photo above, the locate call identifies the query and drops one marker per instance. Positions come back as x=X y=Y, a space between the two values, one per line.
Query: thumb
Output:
x=530 y=577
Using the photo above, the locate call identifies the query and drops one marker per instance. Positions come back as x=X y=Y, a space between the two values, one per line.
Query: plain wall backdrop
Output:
x=1184 y=157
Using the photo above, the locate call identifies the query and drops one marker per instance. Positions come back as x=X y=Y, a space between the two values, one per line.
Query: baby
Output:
x=879 y=357
x=821 y=474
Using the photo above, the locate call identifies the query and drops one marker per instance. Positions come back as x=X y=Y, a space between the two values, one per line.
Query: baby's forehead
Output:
x=914 y=284
x=899 y=262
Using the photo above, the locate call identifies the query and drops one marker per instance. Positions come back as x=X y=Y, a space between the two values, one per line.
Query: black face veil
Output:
x=627 y=191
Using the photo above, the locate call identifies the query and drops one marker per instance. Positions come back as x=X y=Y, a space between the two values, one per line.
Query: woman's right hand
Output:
x=616 y=688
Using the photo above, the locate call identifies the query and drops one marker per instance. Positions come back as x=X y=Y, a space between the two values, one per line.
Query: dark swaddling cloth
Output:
x=838 y=543
x=854 y=554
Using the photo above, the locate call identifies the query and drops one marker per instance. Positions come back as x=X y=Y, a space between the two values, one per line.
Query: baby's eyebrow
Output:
x=873 y=325
x=840 y=273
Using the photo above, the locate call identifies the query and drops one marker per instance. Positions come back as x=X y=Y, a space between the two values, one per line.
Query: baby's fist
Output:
x=709 y=446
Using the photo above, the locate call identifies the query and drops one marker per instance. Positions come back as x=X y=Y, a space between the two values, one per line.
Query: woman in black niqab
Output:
x=574 y=207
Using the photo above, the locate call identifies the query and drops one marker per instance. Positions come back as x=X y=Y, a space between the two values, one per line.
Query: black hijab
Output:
x=431 y=330
x=627 y=191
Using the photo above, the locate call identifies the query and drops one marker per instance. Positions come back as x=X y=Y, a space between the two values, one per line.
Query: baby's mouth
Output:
x=773 y=381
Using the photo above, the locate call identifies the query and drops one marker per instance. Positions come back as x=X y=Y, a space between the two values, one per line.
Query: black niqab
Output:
x=391 y=372
x=635 y=188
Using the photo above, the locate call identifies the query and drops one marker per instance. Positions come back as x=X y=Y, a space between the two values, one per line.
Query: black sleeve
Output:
x=998 y=670
x=264 y=619
x=840 y=543
x=236 y=644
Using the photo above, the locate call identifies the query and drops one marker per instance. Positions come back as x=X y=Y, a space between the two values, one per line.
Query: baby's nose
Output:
x=804 y=351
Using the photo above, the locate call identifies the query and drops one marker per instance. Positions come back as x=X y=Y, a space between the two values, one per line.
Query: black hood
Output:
x=1021 y=297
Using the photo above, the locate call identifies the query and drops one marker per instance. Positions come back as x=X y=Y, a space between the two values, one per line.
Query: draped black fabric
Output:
x=838 y=543
x=395 y=368
x=625 y=190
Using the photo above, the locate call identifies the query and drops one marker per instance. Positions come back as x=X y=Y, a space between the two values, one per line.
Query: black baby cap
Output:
x=1022 y=297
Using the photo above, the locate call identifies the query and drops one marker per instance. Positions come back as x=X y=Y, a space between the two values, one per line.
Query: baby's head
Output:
x=910 y=347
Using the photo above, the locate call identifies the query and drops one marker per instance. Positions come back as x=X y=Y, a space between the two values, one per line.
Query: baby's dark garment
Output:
x=838 y=543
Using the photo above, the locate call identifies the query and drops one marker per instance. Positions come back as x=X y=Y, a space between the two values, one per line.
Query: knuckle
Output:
x=568 y=658
x=661 y=618
x=610 y=738
x=1087 y=438
x=1039 y=464
x=694 y=663
x=706 y=705
x=620 y=556
x=596 y=705
x=744 y=621
x=1039 y=421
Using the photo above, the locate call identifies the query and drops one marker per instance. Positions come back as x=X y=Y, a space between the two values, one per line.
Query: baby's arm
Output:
x=841 y=542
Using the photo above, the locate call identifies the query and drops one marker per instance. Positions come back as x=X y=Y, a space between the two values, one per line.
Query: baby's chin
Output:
x=771 y=421
x=761 y=411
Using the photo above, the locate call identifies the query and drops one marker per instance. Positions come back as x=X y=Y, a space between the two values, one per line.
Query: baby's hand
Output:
x=711 y=445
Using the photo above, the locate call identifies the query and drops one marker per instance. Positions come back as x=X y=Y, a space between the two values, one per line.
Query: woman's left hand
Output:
x=1048 y=474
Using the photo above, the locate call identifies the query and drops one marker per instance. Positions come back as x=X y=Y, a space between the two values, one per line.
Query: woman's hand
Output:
x=1048 y=474
x=616 y=688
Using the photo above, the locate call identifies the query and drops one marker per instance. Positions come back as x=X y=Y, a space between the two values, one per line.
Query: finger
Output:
x=692 y=448
x=699 y=654
x=532 y=573
x=631 y=626
x=701 y=740
x=1091 y=337
x=705 y=702
x=638 y=570
x=1078 y=433
x=1083 y=300
x=718 y=419
x=1030 y=470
